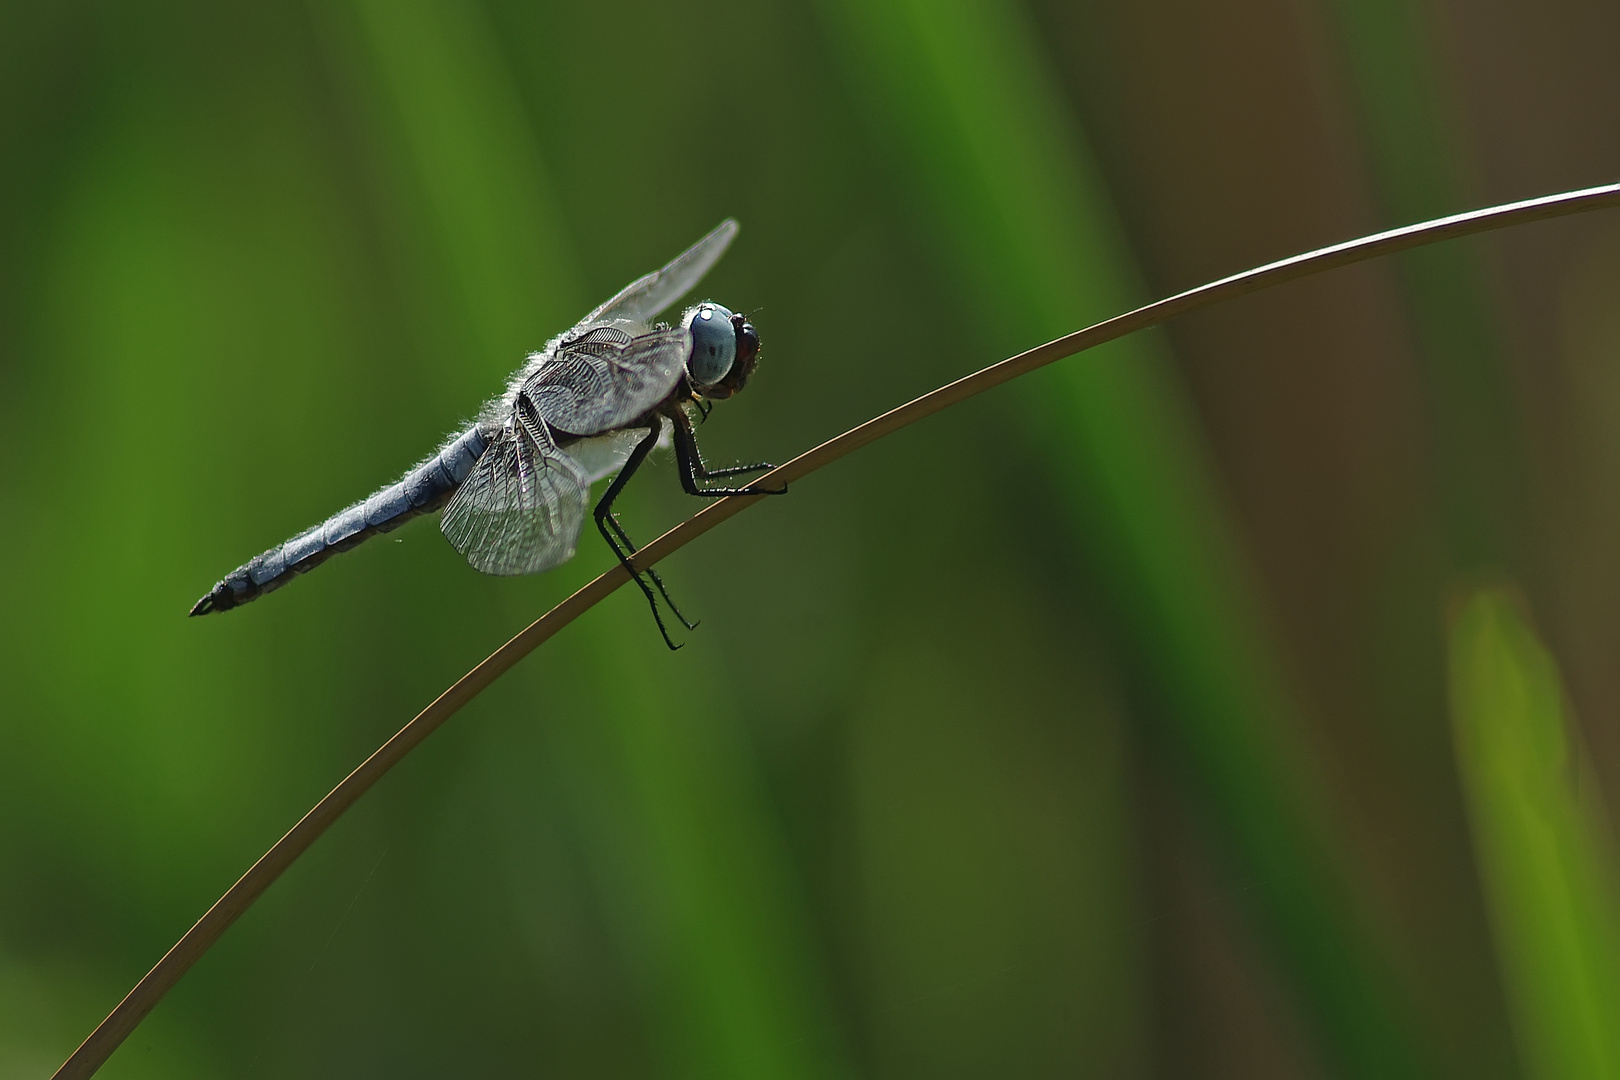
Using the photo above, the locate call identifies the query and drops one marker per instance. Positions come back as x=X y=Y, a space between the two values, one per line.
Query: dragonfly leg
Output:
x=623 y=547
x=621 y=539
x=693 y=470
x=732 y=470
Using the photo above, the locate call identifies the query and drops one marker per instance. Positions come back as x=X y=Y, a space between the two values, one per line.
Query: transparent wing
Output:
x=605 y=378
x=642 y=299
x=600 y=456
x=520 y=509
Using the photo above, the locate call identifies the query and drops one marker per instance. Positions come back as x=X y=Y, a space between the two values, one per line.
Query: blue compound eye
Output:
x=714 y=344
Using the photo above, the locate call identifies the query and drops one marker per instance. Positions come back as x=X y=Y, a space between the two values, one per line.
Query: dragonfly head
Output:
x=725 y=350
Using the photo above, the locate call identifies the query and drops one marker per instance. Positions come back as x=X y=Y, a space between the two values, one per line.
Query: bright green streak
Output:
x=1549 y=868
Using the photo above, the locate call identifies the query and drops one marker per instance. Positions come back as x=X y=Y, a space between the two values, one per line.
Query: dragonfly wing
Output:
x=600 y=456
x=520 y=509
x=641 y=300
x=604 y=378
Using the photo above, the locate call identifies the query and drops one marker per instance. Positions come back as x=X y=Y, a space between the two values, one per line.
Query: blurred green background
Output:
x=1234 y=701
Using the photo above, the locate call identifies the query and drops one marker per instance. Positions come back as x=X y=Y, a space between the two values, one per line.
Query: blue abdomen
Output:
x=423 y=490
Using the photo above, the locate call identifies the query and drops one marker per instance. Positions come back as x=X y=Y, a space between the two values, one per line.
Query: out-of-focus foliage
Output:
x=1098 y=727
x=1545 y=856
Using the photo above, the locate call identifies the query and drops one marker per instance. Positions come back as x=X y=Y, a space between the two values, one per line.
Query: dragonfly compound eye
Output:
x=714 y=344
x=747 y=358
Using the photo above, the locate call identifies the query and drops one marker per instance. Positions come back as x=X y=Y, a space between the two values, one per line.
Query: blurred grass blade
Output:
x=1547 y=861
x=458 y=123
x=1417 y=161
x=694 y=869
x=1006 y=187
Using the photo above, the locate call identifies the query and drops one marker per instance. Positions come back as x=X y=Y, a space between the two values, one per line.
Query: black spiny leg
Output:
x=693 y=469
x=623 y=538
x=624 y=547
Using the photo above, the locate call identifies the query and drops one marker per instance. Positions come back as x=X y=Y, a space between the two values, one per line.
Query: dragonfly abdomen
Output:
x=421 y=491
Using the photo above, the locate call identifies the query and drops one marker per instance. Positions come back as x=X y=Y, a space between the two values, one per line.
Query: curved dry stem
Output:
x=150 y=990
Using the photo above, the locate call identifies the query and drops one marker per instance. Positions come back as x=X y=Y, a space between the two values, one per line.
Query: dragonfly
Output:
x=514 y=485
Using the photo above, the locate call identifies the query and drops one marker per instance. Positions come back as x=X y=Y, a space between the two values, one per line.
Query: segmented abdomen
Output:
x=421 y=491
